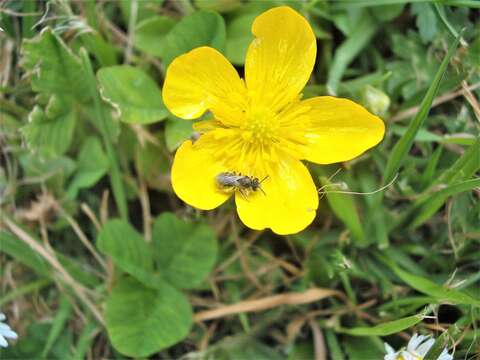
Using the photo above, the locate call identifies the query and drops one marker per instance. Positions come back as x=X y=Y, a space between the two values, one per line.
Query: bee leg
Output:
x=244 y=194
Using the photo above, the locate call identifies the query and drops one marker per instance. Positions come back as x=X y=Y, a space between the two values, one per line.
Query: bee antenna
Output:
x=265 y=178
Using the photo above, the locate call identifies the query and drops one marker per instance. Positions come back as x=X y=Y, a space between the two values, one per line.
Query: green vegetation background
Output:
x=99 y=259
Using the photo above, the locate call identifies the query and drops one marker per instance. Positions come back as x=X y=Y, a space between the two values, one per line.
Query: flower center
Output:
x=259 y=126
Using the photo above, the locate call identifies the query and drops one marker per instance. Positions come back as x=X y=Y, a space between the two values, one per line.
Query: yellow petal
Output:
x=193 y=176
x=339 y=130
x=201 y=80
x=281 y=57
x=289 y=204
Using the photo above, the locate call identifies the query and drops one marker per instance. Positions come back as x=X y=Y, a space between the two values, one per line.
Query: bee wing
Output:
x=228 y=179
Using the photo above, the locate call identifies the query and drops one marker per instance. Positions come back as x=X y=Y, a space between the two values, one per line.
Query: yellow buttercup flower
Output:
x=260 y=127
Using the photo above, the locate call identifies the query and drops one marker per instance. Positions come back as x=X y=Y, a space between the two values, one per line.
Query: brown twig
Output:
x=269 y=302
x=402 y=115
x=147 y=216
x=52 y=260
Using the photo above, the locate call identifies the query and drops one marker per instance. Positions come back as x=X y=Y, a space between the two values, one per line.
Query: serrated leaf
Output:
x=185 y=252
x=132 y=93
x=202 y=28
x=49 y=135
x=55 y=68
x=142 y=321
x=92 y=166
x=150 y=34
x=128 y=250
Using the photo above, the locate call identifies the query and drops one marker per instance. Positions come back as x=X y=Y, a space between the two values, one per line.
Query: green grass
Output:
x=100 y=259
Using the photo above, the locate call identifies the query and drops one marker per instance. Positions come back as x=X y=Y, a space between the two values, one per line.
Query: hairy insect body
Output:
x=231 y=181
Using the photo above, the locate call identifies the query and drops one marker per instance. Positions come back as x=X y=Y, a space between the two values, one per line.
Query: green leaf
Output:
x=49 y=134
x=435 y=201
x=150 y=34
x=349 y=49
x=343 y=205
x=430 y=288
x=142 y=321
x=92 y=166
x=58 y=325
x=386 y=328
x=202 y=28
x=56 y=69
x=176 y=132
x=426 y=21
x=128 y=250
x=24 y=254
x=363 y=348
x=239 y=37
x=402 y=147
x=132 y=93
x=185 y=252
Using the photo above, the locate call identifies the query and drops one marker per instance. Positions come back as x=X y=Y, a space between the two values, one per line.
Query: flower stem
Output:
x=115 y=179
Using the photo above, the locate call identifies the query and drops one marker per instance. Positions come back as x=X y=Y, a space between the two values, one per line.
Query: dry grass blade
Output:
x=52 y=260
x=270 y=302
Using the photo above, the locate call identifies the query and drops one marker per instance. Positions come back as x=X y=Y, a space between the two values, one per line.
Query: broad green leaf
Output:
x=426 y=21
x=176 y=132
x=55 y=68
x=202 y=28
x=132 y=93
x=402 y=147
x=239 y=37
x=150 y=34
x=218 y=5
x=428 y=287
x=49 y=134
x=386 y=328
x=145 y=9
x=343 y=205
x=153 y=164
x=185 y=252
x=142 y=321
x=128 y=250
x=92 y=166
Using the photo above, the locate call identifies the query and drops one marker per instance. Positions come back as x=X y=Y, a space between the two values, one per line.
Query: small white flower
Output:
x=417 y=348
x=5 y=332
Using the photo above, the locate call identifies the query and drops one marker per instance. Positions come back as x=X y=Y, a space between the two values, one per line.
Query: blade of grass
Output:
x=403 y=146
x=24 y=290
x=115 y=177
x=428 y=287
x=63 y=314
x=453 y=332
x=436 y=200
x=386 y=328
x=440 y=12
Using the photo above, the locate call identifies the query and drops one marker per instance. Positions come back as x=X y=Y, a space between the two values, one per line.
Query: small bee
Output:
x=232 y=181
